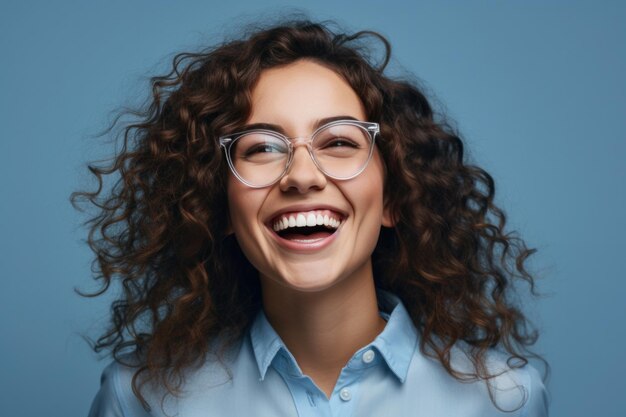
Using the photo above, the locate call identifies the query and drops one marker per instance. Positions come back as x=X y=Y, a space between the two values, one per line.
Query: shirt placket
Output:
x=310 y=401
x=346 y=392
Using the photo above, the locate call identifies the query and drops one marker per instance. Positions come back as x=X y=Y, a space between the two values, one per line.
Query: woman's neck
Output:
x=324 y=329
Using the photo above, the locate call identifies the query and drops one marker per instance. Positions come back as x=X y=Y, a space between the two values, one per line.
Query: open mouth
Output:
x=307 y=226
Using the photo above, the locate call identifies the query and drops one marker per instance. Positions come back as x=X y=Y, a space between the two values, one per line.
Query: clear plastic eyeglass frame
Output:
x=226 y=142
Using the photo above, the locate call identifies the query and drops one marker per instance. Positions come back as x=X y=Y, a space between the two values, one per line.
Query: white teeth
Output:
x=310 y=219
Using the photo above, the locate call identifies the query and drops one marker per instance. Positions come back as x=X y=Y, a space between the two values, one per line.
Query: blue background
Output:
x=537 y=90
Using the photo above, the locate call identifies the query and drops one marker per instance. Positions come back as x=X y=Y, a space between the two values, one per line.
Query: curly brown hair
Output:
x=161 y=230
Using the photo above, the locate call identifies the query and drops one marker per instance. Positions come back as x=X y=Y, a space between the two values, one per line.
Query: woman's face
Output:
x=296 y=97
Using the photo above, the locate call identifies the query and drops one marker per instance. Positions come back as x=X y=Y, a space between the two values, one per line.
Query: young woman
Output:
x=295 y=234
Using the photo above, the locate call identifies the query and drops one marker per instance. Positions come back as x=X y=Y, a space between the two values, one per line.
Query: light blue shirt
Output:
x=388 y=377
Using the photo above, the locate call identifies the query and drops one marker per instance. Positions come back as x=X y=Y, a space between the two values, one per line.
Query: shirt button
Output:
x=345 y=395
x=368 y=356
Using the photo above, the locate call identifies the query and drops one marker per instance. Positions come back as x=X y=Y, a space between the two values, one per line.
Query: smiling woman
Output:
x=295 y=229
x=296 y=97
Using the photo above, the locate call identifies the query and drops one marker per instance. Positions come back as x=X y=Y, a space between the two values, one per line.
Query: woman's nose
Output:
x=303 y=175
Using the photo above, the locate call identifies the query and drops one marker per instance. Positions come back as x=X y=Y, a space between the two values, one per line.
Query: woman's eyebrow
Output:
x=326 y=120
x=262 y=126
x=279 y=129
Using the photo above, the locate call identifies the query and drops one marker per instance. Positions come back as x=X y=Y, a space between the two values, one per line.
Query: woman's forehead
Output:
x=299 y=95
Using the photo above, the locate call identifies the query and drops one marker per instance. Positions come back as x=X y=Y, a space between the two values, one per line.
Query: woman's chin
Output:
x=309 y=282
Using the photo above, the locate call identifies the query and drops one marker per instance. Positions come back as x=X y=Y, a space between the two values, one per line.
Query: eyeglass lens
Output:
x=341 y=150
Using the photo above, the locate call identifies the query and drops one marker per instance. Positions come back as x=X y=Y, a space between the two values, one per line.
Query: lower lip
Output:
x=305 y=245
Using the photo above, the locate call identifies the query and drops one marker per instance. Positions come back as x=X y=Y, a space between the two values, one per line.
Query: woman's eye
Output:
x=263 y=148
x=340 y=143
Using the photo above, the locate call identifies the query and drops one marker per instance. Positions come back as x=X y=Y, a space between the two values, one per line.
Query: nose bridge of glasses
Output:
x=309 y=157
x=305 y=142
x=300 y=140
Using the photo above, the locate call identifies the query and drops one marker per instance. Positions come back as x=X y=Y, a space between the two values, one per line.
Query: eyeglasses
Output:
x=340 y=149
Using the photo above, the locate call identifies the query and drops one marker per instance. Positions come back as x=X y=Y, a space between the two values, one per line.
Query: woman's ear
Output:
x=388 y=218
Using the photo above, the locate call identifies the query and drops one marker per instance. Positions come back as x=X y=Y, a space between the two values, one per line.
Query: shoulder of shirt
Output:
x=514 y=388
x=116 y=397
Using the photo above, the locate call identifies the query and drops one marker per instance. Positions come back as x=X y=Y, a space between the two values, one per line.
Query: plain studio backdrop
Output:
x=537 y=90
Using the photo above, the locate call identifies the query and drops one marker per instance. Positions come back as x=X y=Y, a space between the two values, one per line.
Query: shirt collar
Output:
x=265 y=342
x=396 y=343
x=398 y=340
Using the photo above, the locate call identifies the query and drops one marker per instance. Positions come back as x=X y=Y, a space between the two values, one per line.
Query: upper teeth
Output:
x=308 y=219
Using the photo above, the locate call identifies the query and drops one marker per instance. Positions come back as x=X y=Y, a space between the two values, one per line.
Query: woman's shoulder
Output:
x=516 y=384
x=115 y=397
x=512 y=387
